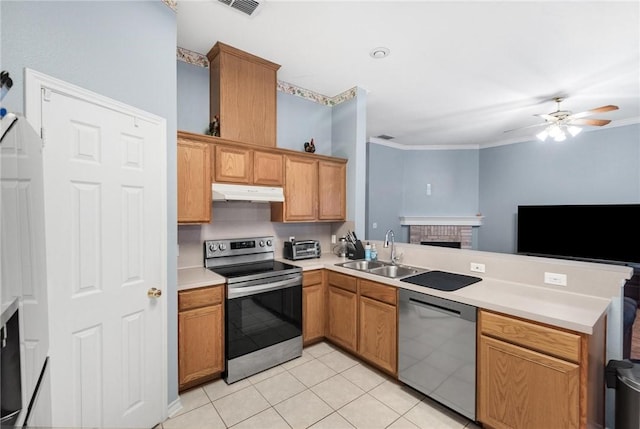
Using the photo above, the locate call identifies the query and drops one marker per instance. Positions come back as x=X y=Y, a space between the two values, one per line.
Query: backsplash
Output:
x=244 y=219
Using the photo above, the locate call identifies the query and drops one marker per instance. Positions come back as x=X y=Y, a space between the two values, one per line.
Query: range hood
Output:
x=257 y=194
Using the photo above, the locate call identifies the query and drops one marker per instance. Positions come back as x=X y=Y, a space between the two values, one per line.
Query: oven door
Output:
x=260 y=315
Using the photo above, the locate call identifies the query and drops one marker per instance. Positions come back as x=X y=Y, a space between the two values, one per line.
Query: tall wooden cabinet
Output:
x=200 y=335
x=536 y=376
x=194 y=181
x=243 y=95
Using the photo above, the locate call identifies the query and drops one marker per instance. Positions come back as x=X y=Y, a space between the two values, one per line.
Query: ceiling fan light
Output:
x=573 y=130
x=542 y=135
x=554 y=130
x=560 y=136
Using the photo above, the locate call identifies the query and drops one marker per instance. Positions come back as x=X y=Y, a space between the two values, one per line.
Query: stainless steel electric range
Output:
x=263 y=306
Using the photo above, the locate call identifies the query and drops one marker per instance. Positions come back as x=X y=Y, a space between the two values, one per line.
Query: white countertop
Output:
x=567 y=310
x=191 y=278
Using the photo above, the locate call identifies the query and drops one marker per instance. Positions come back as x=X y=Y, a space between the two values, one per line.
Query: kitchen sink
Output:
x=395 y=271
x=363 y=265
x=380 y=268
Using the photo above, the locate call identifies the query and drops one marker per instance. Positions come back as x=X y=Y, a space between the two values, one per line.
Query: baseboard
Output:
x=174 y=407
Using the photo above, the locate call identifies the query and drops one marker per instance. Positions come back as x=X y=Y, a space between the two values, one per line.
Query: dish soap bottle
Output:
x=367 y=252
x=374 y=252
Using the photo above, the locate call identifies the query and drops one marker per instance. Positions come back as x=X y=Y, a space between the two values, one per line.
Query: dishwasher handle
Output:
x=448 y=311
x=441 y=305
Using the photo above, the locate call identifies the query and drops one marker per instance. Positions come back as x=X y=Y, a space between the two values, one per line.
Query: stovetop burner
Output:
x=245 y=259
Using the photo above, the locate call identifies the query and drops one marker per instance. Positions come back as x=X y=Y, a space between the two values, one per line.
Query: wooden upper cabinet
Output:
x=267 y=168
x=243 y=95
x=300 y=191
x=194 y=182
x=233 y=165
x=332 y=183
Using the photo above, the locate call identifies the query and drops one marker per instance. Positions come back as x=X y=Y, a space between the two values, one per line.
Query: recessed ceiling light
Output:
x=380 y=52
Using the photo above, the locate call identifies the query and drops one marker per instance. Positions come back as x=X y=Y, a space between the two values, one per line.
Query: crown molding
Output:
x=173 y=4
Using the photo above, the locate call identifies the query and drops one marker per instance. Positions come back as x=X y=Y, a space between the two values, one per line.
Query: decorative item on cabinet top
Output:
x=309 y=146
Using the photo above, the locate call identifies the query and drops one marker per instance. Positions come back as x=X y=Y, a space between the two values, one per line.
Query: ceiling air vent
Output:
x=249 y=7
x=385 y=137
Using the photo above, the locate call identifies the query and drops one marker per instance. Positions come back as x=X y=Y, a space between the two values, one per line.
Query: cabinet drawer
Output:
x=201 y=297
x=378 y=291
x=565 y=345
x=342 y=281
x=311 y=278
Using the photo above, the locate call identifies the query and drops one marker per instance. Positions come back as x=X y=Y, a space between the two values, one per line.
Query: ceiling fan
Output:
x=560 y=122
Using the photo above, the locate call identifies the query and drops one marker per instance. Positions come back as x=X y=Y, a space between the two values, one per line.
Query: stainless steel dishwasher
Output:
x=437 y=349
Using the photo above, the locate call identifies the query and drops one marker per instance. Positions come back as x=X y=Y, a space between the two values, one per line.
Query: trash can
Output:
x=624 y=376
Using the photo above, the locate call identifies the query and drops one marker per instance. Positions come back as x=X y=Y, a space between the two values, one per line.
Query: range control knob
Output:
x=261 y=243
x=213 y=247
x=269 y=243
x=222 y=246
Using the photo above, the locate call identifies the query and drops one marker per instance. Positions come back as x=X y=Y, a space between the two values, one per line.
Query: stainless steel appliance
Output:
x=437 y=349
x=303 y=249
x=263 y=306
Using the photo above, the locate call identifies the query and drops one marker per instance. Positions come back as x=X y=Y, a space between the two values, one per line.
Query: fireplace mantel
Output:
x=442 y=220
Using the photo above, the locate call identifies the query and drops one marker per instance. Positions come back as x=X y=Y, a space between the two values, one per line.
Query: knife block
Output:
x=355 y=251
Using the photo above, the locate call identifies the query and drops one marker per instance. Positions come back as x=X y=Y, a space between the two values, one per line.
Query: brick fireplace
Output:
x=442 y=231
x=441 y=234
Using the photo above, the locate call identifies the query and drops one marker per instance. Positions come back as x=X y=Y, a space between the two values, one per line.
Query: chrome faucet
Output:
x=393 y=246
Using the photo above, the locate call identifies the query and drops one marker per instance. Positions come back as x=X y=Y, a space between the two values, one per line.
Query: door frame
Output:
x=35 y=83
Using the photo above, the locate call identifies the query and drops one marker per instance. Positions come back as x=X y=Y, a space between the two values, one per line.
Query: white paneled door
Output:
x=105 y=205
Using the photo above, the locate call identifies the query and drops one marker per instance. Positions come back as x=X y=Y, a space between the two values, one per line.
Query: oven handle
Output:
x=254 y=290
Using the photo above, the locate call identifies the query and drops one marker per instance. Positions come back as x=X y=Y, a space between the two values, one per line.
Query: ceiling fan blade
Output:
x=524 y=128
x=600 y=109
x=546 y=117
x=594 y=122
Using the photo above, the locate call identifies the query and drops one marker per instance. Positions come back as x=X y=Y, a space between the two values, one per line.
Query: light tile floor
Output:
x=324 y=389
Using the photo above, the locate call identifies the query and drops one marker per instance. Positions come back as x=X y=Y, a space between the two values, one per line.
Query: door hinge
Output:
x=46 y=94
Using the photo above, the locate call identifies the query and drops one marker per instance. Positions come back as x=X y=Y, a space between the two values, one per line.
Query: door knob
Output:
x=154 y=293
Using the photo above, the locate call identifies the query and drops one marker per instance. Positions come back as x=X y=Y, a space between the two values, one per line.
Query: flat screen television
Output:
x=599 y=233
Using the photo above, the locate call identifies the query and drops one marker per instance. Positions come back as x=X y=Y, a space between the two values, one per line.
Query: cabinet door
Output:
x=343 y=309
x=301 y=189
x=313 y=305
x=332 y=179
x=520 y=388
x=233 y=165
x=200 y=353
x=194 y=182
x=243 y=92
x=267 y=168
x=378 y=333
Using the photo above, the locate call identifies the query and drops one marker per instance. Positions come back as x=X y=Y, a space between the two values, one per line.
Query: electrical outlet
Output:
x=375 y=225
x=555 y=279
x=292 y=238
x=478 y=268
x=333 y=239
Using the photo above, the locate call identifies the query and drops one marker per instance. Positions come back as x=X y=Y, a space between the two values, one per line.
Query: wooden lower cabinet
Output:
x=313 y=306
x=377 y=334
x=200 y=335
x=343 y=317
x=363 y=318
x=536 y=376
